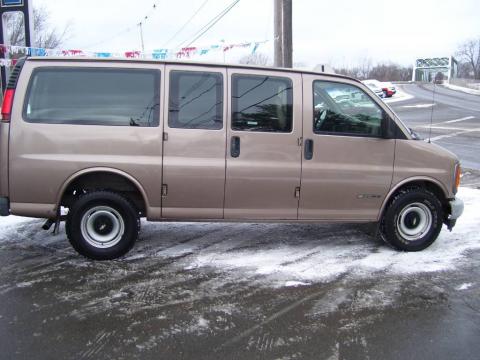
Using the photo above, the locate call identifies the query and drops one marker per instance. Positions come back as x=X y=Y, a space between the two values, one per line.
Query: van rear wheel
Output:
x=413 y=220
x=102 y=225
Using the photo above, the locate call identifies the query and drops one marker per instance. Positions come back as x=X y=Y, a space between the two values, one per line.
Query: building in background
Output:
x=427 y=69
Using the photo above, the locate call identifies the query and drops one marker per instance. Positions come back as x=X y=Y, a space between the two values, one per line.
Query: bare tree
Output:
x=348 y=71
x=464 y=70
x=382 y=72
x=46 y=36
x=255 y=59
x=364 y=68
x=469 y=52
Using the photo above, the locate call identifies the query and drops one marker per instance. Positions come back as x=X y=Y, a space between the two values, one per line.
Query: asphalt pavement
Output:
x=449 y=118
x=241 y=291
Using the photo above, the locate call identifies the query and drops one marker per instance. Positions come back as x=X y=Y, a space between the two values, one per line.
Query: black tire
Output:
x=102 y=214
x=405 y=215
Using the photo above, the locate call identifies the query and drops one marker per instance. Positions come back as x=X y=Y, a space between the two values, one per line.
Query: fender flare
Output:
x=82 y=172
x=398 y=185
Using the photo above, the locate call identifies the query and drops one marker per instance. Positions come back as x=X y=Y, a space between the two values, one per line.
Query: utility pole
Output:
x=287 y=34
x=141 y=38
x=278 y=33
x=282 y=25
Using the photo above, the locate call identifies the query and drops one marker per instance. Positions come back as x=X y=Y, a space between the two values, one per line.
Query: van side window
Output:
x=196 y=100
x=345 y=109
x=262 y=103
x=94 y=96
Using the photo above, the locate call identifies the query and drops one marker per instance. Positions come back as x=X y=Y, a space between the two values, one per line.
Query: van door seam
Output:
x=301 y=148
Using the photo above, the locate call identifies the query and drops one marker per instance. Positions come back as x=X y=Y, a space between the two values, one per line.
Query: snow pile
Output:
x=462 y=89
x=322 y=259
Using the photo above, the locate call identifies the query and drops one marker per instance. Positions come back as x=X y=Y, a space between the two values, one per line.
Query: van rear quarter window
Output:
x=93 y=96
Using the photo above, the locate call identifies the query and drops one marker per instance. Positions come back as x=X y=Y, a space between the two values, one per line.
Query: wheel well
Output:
x=103 y=180
x=430 y=186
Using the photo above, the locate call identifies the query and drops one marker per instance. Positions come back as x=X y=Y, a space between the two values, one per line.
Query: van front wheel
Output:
x=102 y=225
x=413 y=220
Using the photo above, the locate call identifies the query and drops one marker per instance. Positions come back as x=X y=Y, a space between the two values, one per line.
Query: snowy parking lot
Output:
x=270 y=291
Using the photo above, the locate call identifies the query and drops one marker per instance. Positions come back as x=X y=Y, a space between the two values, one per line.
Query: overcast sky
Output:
x=338 y=32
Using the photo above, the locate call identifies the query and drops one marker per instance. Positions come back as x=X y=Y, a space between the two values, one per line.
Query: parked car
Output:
x=111 y=141
x=387 y=88
x=375 y=88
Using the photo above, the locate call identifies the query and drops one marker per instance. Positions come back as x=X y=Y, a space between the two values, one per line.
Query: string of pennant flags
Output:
x=158 y=54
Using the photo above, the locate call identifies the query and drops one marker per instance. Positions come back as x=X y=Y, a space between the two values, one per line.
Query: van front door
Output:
x=347 y=165
x=263 y=152
x=194 y=143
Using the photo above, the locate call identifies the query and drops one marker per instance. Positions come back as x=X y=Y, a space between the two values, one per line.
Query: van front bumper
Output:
x=4 y=206
x=456 y=210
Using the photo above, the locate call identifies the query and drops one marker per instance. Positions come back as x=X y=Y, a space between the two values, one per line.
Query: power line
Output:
x=127 y=29
x=186 y=23
x=124 y=31
x=210 y=24
x=215 y=20
x=145 y=18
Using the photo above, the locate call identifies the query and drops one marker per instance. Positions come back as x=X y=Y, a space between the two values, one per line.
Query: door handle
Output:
x=308 y=149
x=235 y=146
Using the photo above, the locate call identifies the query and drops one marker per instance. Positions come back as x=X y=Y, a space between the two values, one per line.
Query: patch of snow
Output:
x=202 y=322
x=295 y=283
x=11 y=226
x=136 y=256
x=464 y=286
x=401 y=95
x=196 y=326
x=420 y=106
x=25 y=284
x=275 y=255
x=11 y=221
x=331 y=255
x=462 y=89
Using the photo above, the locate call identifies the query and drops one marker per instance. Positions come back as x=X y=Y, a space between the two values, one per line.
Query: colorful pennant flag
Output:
x=8 y=51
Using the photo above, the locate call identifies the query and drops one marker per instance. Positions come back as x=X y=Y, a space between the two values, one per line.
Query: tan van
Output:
x=115 y=140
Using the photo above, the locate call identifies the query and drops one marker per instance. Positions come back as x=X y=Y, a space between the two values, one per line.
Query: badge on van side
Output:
x=369 y=196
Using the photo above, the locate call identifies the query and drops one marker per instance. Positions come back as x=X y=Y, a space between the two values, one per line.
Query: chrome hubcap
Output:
x=102 y=227
x=414 y=221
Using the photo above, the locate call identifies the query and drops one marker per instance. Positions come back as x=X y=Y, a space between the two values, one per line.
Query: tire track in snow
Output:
x=278 y=315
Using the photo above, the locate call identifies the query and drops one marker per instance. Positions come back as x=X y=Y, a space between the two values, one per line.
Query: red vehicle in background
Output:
x=387 y=87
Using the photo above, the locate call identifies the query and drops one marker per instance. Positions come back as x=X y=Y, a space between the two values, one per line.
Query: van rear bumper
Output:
x=4 y=206
x=456 y=210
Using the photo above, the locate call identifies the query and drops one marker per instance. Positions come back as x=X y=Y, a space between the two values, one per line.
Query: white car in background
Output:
x=374 y=87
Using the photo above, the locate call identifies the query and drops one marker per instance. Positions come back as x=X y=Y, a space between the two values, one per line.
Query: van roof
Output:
x=183 y=62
